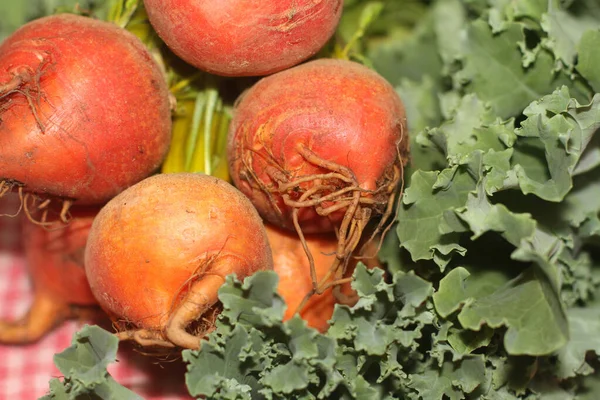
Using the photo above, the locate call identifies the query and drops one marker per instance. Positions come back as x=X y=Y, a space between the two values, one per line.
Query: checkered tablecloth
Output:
x=26 y=370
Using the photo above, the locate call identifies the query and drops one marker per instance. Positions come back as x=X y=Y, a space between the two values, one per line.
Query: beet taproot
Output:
x=54 y=257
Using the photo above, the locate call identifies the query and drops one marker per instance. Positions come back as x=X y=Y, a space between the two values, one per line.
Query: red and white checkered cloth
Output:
x=26 y=370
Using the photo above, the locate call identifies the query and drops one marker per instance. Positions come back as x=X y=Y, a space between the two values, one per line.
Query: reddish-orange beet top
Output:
x=84 y=108
x=244 y=37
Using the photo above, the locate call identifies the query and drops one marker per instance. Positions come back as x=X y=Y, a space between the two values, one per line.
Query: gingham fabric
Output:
x=26 y=370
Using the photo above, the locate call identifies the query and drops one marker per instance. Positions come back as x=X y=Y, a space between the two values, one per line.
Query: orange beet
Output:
x=159 y=251
x=54 y=255
x=244 y=37
x=84 y=109
x=320 y=147
x=291 y=264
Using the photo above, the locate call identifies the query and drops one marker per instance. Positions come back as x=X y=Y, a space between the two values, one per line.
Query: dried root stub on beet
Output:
x=158 y=253
x=321 y=147
x=84 y=111
x=54 y=256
